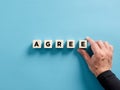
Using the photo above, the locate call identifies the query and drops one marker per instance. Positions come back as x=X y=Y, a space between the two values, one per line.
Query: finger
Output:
x=98 y=44
x=111 y=47
x=106 y=45
x=95 y=48
x=101 y=44
x=85 y=55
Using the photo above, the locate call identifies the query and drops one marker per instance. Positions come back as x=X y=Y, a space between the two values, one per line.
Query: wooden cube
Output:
x=59 y=44
x=47 y=43
x=82 y=43
x=37 y=43
x=70 y=43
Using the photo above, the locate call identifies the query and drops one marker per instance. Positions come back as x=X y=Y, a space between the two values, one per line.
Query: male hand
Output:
x=101 y=60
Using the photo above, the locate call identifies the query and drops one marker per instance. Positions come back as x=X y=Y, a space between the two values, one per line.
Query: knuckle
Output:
x=100 y=55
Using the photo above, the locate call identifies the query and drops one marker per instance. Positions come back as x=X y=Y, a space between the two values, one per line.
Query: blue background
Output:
x=21 y=21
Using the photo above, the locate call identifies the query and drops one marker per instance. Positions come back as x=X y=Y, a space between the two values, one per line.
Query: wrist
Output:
x=98 y=72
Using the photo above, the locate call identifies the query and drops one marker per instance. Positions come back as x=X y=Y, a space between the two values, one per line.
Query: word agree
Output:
x=59 y=44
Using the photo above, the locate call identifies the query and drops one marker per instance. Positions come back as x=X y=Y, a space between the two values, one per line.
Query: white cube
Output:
x=59 y=44
x=37 y=43
x=82 y=43
x=47 y=43
x=70 y=43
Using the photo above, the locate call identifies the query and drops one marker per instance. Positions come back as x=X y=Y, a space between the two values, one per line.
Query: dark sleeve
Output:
x=109 y=81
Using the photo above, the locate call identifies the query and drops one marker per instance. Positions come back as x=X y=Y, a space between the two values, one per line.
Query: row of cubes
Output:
x=59 y=43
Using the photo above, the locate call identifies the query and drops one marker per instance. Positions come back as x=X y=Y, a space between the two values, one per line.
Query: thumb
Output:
x=85 y=55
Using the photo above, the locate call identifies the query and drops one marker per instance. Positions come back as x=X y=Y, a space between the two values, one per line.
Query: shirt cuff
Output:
x=105 y=74
x=106 y=77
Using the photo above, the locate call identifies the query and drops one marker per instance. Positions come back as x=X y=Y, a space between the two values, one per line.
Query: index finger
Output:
x=93 y=44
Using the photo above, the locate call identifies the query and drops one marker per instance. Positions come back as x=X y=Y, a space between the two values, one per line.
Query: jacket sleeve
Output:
x=109 y=81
